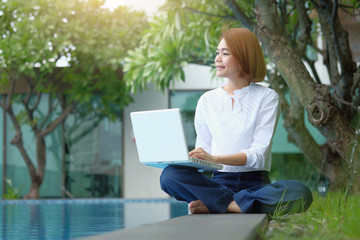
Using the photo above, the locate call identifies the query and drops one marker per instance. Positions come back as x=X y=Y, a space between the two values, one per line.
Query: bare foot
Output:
x=198 y=207
x=233 y=208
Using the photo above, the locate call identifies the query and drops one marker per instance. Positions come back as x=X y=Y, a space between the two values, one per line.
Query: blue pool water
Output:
x=71 y=219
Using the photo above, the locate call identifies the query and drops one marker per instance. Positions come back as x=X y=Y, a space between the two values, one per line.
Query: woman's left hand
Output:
x=202 y=154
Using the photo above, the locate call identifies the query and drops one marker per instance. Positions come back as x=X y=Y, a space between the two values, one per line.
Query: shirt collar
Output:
x=239 y=92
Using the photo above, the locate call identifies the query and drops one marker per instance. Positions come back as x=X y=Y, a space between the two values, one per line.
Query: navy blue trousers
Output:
x=252 y=191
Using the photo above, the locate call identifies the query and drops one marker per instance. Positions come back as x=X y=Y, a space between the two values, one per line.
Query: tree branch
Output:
x=210 y=14
x=18 y=142
x=3 y=103
x=305 y=27
x=282 y=5
x=51 y=126
x=293 y=115
x=340 y=45
x=316 y=48
x=322 y=110
x=37 y=102
x=339 y=99
x=267 y=13
x=313 y=69
x=340 y=39
x=356 y=82
x=330 y=57
x=357 y=102
x=11 y=92
x=50 y=109
x=26 y=102
x=240 y=15
x=29 y=91
x=17 y=139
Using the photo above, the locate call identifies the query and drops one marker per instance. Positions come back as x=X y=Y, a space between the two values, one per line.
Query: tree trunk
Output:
x=34 y=190
x=323 y=111
x=40 y=157
x=37 y=175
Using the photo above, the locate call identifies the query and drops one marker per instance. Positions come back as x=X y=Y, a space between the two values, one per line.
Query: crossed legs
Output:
x=229 y=194
x=187 y=184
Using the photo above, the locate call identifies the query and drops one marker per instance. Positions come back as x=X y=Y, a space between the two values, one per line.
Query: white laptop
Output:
x=160 y=140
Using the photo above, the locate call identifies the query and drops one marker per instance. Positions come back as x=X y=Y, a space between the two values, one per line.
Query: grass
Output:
x=331 y=217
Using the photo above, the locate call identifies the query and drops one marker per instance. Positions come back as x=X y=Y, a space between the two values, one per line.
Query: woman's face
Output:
x=226 y=64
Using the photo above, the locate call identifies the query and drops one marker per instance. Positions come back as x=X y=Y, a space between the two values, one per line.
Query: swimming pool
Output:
x=71 y=219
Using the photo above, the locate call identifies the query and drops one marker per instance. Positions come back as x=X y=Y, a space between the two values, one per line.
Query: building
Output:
x=104 y=162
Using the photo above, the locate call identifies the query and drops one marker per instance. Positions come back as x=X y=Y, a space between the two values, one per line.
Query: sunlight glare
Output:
x=149 y=6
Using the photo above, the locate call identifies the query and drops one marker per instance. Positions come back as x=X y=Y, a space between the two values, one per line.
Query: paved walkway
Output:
x=194 y=226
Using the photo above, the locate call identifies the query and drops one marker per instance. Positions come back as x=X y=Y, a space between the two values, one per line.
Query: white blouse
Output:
x=246 y=127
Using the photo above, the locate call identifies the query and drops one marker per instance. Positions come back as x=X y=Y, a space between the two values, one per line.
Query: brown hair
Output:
x=244 y=46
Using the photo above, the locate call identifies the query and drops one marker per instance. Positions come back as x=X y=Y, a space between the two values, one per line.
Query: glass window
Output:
x=186 y=101
x=93 y=157
x=93 y=150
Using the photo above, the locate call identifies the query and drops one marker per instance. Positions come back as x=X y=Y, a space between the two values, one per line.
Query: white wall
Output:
x=143 y=181
x=197 y=77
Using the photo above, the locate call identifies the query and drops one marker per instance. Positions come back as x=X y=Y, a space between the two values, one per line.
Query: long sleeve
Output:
x=265 y=126
x=203 y=134
x=246 y=126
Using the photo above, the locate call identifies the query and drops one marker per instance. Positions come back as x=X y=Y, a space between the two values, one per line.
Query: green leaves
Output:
x=36 y=34
x=11 y=191
x=186 y=31
x=156 y=65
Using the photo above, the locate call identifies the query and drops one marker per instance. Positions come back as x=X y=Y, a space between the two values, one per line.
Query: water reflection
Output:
x=74 y=219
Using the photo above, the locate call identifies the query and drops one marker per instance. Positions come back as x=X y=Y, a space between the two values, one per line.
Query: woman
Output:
x=235 y=125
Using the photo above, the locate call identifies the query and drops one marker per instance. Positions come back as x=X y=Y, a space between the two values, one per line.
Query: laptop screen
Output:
x=159 y=135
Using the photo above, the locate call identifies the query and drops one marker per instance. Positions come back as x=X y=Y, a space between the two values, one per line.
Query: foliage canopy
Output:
x=289 y=31
x=90 y=42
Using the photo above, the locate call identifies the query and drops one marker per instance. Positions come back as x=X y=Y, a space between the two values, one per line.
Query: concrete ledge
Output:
x=194 y=226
